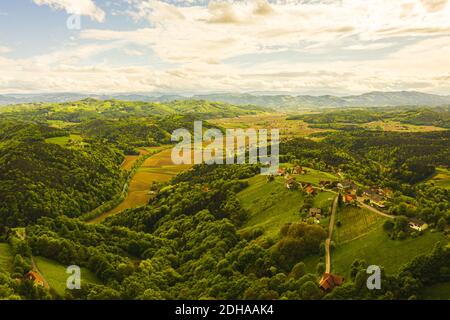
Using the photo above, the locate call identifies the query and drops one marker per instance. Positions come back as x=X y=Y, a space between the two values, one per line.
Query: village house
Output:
x=310 y=190
x=375 y=198
x=330 y=281
x=349 y=198
x=315 y=211
x=35 y=277
x=417 y=224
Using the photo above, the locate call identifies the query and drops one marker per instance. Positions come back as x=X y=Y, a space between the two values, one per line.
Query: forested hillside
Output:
x=44 y=179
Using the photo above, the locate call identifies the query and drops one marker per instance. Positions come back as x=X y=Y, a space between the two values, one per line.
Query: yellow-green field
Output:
x=315 y=176
x=64 y=141
x=157 y=168
x=288 y=128
x=376 y=248
x=56 y=276
x=6 y=258
x=399 y=127
x=441 y=178
x=355 y=223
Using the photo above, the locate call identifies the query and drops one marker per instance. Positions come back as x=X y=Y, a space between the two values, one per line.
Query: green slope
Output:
x=56 y=276
x=378 y=249
x=271 y=204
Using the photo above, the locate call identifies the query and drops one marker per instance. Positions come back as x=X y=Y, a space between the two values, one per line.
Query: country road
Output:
x=375 y=210
x=330 y=234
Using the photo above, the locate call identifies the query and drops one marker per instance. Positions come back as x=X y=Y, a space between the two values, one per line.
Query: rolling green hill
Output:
x=88 y=109
x=271 y=205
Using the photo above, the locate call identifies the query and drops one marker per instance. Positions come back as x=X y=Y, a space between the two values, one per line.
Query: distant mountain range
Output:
x=289 y=102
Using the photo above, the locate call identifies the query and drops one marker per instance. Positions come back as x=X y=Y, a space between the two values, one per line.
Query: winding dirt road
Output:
x=375 y=210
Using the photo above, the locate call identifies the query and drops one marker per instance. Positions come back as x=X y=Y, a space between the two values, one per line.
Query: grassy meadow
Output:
x=56 y=276
x=65 y=140
x=271 y=204
x=355 y=223
x=377 y=248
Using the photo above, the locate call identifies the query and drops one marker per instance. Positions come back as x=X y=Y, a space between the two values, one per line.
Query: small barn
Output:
x=330 y=281
x=35 y=277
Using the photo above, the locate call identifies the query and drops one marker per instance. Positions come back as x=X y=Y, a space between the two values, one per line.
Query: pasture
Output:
x=65 y=140
x=314 y=177
x=376 y=248
x=271 y=205
x=56 y=276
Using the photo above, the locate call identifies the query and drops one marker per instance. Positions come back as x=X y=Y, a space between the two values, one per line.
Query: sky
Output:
x=197 y=46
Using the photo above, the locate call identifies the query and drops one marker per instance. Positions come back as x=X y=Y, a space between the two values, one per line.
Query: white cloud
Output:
x=80 y=7
x=348 y=46
x=4 y=50
x=228 y=29
x=133 y=52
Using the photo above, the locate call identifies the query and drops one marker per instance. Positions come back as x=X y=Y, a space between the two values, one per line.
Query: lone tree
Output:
x=442 y=224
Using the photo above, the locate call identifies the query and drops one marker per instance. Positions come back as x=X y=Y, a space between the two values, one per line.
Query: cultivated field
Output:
x=355 y=223
x=288 y=128
x=157 y=168
x=399 y=127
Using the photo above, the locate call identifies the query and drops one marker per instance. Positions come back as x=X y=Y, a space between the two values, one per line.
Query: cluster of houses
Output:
x=376 y=196
x=293 y=170
x=292 y=183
